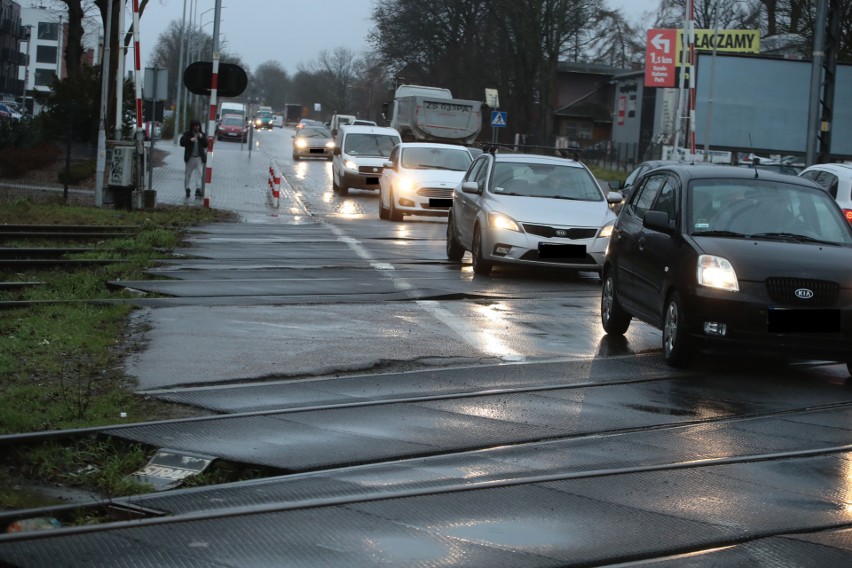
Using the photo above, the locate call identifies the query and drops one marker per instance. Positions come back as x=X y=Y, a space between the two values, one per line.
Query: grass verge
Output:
x=62 y=355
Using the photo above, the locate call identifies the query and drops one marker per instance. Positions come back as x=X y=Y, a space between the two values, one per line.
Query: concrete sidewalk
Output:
x=240 y=182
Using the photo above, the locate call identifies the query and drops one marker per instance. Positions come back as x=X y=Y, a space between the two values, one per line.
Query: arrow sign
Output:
x=660 y=61
x=661 y=44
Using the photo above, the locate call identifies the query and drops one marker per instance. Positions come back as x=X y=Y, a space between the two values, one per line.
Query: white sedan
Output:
x=528 y=209
x=419 y=178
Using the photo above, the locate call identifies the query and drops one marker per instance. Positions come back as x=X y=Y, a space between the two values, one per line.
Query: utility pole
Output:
x=100 y=164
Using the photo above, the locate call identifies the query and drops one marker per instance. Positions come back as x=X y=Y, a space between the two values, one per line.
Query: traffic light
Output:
x=232 y=79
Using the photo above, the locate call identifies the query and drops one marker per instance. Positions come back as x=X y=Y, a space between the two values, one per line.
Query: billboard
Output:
x=761 y=104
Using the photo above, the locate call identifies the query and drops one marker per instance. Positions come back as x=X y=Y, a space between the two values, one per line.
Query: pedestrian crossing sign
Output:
x=498 y=118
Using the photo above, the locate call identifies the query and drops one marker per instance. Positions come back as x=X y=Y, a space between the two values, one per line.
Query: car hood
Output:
x=757 y=259
x=434 y=177
x=556 y=212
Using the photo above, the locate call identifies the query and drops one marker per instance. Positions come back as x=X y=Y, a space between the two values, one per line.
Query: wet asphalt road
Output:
x=419 y=415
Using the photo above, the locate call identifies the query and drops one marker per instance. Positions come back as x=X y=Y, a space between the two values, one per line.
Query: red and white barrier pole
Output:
x=692 y=72
x=211 y=127
x=137 y=68
x=276 y=189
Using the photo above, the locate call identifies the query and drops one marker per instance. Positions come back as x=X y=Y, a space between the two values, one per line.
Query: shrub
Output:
x=78 y=171
x=15 y=162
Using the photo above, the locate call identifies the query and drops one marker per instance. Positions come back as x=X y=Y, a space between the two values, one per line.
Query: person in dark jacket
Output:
x=194 y=143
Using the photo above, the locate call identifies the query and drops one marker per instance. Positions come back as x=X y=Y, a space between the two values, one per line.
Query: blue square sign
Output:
x=498 y=118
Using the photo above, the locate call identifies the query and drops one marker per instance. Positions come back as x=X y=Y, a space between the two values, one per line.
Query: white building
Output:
x=47 y=32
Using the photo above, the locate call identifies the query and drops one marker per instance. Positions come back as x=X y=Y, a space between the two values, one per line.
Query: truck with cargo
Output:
x=292 y=114
x=431 y=114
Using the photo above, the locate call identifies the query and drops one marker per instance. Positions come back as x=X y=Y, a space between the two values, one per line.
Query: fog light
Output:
x=502 y=250
x=406 y=203
x=715 y=328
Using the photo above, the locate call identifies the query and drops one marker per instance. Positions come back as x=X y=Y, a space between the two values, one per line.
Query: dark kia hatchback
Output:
x=721 y=255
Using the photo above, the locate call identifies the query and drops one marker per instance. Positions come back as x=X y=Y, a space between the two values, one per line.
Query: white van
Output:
x=339 y=120
x=359 y=156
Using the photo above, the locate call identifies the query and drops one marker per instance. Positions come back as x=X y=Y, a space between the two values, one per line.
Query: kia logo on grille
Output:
x=804 y=294
x=561 y=233
x=375 y=169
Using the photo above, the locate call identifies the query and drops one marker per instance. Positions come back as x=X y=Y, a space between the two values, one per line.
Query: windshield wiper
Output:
x=794 y=236
x=560 y=197
x=717 y=234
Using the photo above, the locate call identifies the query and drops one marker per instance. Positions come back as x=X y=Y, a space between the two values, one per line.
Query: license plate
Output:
x=372 y=181
x=436 y=202
x=803 y=321
x=547 y=250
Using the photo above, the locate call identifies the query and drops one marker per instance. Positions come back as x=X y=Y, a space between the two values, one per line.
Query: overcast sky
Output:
x=293 y=33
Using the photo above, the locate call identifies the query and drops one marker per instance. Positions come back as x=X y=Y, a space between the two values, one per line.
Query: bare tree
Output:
x=271 y=79
x=337 y=71
x=616 y=42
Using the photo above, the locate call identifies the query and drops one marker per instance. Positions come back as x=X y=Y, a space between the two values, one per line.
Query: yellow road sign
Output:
x=725 y=41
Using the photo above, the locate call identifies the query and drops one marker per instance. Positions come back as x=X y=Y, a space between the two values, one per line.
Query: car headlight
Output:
x=404 y=184
x=301 y=143
x=717 y=272
x=330 y=144
x=606 y=230
x=500 y=221
x=350 y=165
x=257 y=122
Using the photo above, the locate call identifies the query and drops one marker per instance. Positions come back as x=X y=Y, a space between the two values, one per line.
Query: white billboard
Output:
x=760 y=104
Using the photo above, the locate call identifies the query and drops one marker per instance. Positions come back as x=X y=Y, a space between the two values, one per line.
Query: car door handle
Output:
x=642 y=243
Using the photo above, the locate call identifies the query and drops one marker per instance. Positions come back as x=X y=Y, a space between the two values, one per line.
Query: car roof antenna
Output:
x=755 y=161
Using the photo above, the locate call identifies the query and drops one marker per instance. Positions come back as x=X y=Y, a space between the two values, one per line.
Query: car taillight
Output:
x=848 y=213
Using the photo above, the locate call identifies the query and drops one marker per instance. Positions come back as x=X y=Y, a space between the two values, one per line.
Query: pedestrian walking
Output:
x=194 y=143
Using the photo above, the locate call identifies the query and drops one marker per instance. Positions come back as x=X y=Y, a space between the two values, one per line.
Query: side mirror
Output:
x=615 y=184
x=388 y=165
x=614 y=197
x=470 y=187
x=657 y=221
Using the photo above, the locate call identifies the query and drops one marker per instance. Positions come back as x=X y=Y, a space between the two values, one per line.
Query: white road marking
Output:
x=473 y=336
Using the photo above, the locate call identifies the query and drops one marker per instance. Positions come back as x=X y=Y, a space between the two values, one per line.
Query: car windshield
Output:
x=370 y=144
x=757 y=208
x=313 y=132
x=232 y=121
x=436 y=159
x=545 y=180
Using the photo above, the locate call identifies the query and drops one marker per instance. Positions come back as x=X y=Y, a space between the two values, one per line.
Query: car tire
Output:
x=342 y=189
x=334 y=187
x=678 y=346
x=394 y=214
x=480 y=265
x=383 y=212
x=455 y=251
x=295 y=157
x=613 y=317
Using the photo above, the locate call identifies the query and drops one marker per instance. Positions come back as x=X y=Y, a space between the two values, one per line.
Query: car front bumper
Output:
x=749 y=320
x=425 y=201
x=359 y=180
x=512 y=247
